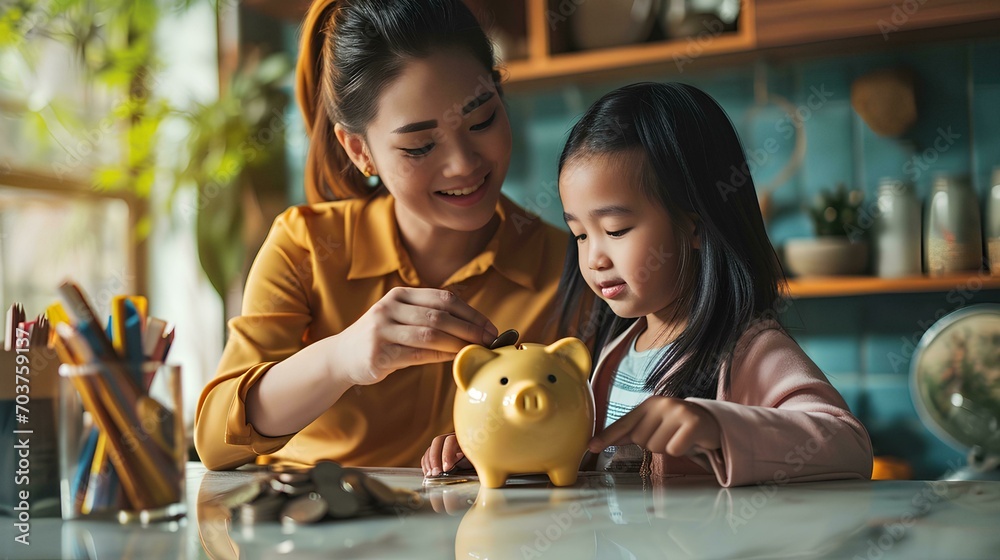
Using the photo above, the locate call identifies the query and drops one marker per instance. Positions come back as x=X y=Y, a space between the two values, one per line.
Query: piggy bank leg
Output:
x=492 y=479
x=563 y=476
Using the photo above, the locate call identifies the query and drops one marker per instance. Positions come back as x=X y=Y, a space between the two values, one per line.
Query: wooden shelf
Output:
x=675 y=55
x=765 y=28
x=838 y=286
x=542 y=65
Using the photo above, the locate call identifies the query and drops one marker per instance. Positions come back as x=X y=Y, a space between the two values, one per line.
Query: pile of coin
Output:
x=326 y=491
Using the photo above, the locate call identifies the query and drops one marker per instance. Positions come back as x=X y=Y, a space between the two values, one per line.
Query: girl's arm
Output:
x=783 y=420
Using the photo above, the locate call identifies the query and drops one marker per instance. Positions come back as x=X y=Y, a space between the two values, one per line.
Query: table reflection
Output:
x=601 y=516
x=622 y=517
x=94 y=539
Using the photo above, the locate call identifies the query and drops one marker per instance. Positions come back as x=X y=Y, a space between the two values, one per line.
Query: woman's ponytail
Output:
x=329 y=172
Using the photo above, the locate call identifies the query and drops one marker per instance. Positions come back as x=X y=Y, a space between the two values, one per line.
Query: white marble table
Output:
x=602 y=516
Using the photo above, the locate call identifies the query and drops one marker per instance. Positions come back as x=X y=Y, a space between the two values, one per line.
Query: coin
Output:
x=328 y=478
x=326 y=472
x=297 y=489
x=305 y=509
x=354 y=481
x=384 y=496
x=242 y=494
x=326 y=490
x=294 y=477
x=408 y=499
x=506 y=338
x=264 y=508
x=340 y=502
x=445 y=480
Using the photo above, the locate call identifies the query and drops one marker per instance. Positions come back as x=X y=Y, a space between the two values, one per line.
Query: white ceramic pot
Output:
x=826 y=256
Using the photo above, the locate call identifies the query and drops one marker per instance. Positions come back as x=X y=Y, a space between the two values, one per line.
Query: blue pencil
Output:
x=81 y=479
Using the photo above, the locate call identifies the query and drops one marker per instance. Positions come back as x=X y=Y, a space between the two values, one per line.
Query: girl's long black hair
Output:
x=696 y=169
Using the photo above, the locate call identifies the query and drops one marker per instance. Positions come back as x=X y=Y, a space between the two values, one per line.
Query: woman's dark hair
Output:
x=349 y=51
x=693 y=165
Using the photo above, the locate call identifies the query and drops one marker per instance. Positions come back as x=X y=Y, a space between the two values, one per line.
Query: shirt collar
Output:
x=515 y=251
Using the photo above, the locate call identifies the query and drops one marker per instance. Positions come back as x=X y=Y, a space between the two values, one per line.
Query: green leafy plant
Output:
x=113 y=43
x=233 y=160
x=836 y=212
x=235 y=147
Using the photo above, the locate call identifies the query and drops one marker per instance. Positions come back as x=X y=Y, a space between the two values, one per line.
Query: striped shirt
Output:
x=627 y=392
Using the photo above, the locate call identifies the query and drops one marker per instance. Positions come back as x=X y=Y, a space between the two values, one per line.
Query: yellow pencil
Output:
x=97 y=481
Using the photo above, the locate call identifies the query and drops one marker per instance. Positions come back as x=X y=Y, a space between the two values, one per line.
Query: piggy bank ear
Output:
x=468 y=362
x=574 y=351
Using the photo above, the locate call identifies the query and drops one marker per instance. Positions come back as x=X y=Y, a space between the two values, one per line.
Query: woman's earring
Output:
x=371 y=175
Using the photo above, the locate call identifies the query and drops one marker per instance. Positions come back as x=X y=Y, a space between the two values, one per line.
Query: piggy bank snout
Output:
x=528 y=402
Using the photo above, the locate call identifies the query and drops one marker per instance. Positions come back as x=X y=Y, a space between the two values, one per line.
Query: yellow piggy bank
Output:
x=524 y=409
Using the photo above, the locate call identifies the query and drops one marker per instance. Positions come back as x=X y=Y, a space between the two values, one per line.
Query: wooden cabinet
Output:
x=798 y=22
x=547 y=22
x=764 y=27
x=536 y=32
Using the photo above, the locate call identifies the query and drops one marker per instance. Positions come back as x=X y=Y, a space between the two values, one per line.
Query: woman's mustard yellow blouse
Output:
x=319 y=270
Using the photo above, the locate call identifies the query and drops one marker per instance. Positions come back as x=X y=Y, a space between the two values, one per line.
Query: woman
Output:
x=356 y=303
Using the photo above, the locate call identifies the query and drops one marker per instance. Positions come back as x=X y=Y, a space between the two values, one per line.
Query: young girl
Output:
x=693 y=372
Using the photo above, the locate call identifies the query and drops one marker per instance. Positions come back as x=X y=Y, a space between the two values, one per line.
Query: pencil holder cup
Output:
x=122 y=447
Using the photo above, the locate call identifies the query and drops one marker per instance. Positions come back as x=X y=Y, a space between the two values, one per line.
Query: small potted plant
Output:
x=840 y=246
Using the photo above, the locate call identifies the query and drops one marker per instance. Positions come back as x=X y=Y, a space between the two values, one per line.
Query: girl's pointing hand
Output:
x=662 y=425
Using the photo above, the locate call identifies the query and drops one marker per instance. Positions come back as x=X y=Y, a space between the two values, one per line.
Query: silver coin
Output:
x=354 y=482
x=341 y=503
x=242 y=494
x=326 y=472
x=305 y=509
x=408 y=499
x=294 y=477
x=327 y=476
x=261 y=510
x=384 y=496
x=506 y=338
x=292 y=489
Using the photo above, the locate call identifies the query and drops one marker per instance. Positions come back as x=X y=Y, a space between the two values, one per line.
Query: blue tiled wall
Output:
x=864 y=344
x=958 y=92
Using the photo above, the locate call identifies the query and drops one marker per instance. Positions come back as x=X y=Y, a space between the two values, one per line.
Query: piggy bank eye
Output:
x=552 y=378
x=503 y=380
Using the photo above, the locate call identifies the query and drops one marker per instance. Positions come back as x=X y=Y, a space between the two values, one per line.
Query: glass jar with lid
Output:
x=953 y=235
x=897 y=230
x=993 y=223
